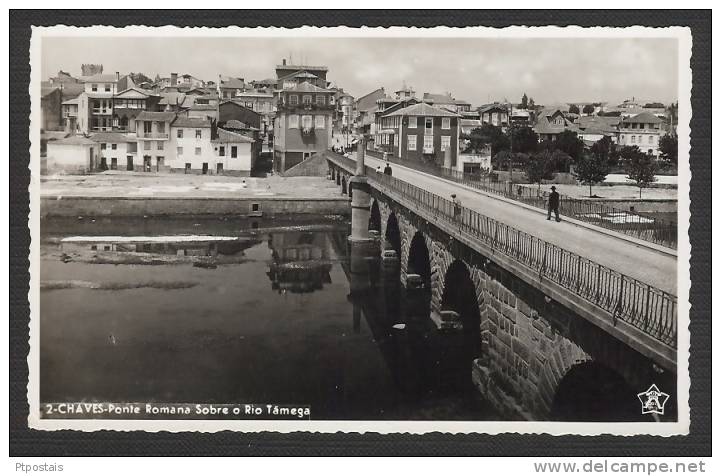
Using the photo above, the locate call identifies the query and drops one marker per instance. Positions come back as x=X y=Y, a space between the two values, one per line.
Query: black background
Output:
x=66 y=443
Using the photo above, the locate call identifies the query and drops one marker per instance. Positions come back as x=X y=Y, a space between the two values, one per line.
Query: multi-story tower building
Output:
x=303 y=124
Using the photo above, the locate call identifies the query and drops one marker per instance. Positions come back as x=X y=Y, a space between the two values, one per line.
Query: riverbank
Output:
x=140 y=194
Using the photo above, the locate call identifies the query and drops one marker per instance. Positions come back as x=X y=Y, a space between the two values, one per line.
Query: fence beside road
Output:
x=640 y=226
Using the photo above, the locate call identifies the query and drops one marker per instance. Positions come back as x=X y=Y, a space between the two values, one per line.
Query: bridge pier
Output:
x=360 y=199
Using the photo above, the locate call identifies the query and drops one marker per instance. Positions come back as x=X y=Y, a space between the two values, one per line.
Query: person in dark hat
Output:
x=388 y=170
x=553 y=201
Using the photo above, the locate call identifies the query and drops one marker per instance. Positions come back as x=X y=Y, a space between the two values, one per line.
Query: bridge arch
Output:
x=591 y=391
x=393 y=233
x=419 y=258
x=459 y=295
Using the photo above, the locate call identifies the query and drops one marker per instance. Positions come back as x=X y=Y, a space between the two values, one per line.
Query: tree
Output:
x=607 y=150
x=640 y=167
x=573 y=109
x=531 y=104
x=592 y=169
x=668 y=145
x=588 y=109
x=539 y=167
x=488 y=134
x=524 y=101
x=525 y=139
x=568 y=142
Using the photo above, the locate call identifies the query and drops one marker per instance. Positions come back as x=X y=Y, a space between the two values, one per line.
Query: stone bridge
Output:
x=535 y=347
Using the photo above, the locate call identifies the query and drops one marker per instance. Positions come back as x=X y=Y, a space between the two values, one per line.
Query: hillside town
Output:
x=123 y=121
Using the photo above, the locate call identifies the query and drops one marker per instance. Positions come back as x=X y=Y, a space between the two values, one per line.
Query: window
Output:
x=94 y=87
x=159 y=145
x=293 y=99
x=633 y=139
x=198 y=133
x=320 y=122
x=428 y=142
x=307 y=99
x=650 y=139
x=307 y=122
x=293 y=121
x=445 y=142
x=161 y=127
x=114 y=163
x=147 y=127
x=320 y=99
x=412 y=142
x=446 y=124
x=429 y=125
x=180 y=151
x=180 y=133
x=114 y=146
x=221 y=151
x=395 y=140
x=234 y=152
x=412 y=124
x=197 y=151
x=147 y=145
x=107 y=88
x=103 y=146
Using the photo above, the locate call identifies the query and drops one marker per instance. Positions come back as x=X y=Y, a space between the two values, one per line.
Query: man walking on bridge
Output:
x=553 y=200
x=388 y=170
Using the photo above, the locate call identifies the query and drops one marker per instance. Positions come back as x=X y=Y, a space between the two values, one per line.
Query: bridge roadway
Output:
x=650 y=264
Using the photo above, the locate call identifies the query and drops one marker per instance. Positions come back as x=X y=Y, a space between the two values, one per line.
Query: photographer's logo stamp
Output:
x=653 y=400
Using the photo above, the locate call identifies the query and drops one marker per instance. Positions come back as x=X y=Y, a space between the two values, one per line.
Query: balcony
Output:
x=285 y=106
x=153 y=135
x=307 y=131
x=103 y=111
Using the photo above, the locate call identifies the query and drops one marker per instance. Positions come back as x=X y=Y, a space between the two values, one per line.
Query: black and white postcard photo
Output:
x=366 y=230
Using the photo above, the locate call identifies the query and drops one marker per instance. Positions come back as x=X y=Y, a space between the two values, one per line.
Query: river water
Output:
x=238 y=310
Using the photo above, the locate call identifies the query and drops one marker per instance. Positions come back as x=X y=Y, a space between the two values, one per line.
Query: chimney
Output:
x=284 y=62
x=117 y=76
x=173 y=79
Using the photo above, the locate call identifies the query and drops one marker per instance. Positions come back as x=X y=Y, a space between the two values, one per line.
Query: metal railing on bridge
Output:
x=639 y=304
x=627 y=222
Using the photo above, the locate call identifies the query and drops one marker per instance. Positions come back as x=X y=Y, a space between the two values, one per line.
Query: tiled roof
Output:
x=423 y=109
x=232 y=83
x=300 y=66
x=229 y=136
x=74 y=140
x=100 y=78
x=110 y=137
x=438 y=98
x=306 y=87
x=156 y=116
x=194 y=122
x=133 y=93
x=643 y=118
x=171 y=98
x=236 y=124
x=544 y=126
x=202 y=107
x=491 y=107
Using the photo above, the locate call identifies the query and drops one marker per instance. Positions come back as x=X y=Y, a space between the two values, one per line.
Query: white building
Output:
x=117 y=151
x=191 y=146
x=233 y=153
x=643 y=130
x=74 y=154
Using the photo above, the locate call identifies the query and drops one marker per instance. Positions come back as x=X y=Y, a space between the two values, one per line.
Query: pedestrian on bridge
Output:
x=553 y=201
x=388 y=170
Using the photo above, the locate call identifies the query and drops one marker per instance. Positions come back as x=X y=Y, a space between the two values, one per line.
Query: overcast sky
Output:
x=475 y=69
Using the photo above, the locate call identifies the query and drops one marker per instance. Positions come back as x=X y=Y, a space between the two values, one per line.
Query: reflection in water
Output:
x=357 y=347
x=300 y=261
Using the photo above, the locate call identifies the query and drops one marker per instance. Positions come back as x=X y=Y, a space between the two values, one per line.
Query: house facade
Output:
x=303 y=124
x=494 y=114
x=233 y=153
x=117 y=151
x=191 y=147
x=422 y=133
x=643 y=130
x=552 y=122
x=152 y=130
